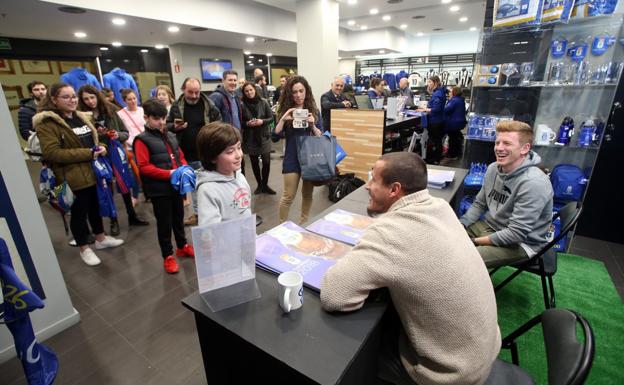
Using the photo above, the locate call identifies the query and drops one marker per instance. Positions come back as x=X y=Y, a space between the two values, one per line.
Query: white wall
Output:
x=346 y=66
x=187 y=56
x=58 y=313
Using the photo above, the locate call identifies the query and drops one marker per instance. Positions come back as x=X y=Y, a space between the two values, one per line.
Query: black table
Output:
x=257 y=343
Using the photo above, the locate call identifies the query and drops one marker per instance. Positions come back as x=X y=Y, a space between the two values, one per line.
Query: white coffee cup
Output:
x=290 y=293
x=544 y=135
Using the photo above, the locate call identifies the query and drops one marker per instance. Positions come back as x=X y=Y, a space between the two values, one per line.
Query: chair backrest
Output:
x=569 y=360
x=569 y=216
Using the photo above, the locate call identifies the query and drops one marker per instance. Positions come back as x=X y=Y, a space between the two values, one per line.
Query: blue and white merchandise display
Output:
x=483 y=127
x=557 y=10
x=566 y=131
x=601 y=43
x=512 y=13
x=568 y=183
x=558 y=47
x=476 y=175
x=589 y=8
x=587 y=132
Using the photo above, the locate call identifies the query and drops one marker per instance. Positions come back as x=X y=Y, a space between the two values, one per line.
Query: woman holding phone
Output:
x=296 y=95
x=110 y=127
x=257 y=116
x=69 y=143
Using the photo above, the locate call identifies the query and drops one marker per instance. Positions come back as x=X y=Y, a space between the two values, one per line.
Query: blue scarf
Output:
x=104 y=176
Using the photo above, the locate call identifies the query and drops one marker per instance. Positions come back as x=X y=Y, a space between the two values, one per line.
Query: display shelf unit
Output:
x=546 y=100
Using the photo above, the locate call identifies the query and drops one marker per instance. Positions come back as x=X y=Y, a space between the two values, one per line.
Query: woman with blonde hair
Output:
x=165 y=95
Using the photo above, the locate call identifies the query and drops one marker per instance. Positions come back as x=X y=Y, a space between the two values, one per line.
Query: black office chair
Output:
x=568 y=359
x=544 y=263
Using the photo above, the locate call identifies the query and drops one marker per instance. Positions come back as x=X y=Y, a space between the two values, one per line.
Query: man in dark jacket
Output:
x=191 y=112
x=333 y=99
x=28 y=107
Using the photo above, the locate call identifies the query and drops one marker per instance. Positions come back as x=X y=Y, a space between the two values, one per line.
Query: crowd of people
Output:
x=433 y=263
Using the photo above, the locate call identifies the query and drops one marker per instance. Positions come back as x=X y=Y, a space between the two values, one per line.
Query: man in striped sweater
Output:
x=437 y=281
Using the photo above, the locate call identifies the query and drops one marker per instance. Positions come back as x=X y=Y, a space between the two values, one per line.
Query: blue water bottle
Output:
x=566 y=130
x=587 y=133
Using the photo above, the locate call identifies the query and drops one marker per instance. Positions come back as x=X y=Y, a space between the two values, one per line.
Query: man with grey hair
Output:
x=333 y=99
x=188 y=114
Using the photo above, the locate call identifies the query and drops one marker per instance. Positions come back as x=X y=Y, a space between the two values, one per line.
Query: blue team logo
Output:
x=558 y=48
x=601 y=44
x=578 y=53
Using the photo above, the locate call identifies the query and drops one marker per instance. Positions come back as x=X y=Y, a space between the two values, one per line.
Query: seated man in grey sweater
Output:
x=438 y=283
x=518 y=198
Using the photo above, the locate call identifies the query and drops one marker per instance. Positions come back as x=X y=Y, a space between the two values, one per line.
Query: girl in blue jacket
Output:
x=435 y=119
x=454 y=122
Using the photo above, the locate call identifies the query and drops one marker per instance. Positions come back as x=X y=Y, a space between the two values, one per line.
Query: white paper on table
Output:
x=225 y=253
x=439 y=178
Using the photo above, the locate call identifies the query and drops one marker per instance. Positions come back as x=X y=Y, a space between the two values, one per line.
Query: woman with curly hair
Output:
x=296 y=94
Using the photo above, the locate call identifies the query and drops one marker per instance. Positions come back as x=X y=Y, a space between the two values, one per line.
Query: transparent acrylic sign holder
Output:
x=225 y=257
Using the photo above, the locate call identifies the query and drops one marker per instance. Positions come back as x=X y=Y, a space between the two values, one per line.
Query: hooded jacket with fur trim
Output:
x=63 y=150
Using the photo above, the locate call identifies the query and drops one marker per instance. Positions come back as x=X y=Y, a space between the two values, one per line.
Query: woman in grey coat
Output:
x=257 y=117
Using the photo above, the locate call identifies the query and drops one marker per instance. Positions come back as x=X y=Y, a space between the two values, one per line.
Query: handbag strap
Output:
x=136 y=126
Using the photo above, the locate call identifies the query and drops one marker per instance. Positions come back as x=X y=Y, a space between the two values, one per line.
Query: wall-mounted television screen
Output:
x=212 y=69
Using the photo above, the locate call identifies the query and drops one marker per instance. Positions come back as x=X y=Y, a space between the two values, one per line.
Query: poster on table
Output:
x=289 y=247
x=342 y=225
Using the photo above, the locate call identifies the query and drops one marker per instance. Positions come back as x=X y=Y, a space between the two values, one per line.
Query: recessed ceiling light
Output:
x=247 y=52
x=74 y=10
x=80 y=34
x=363 y=27
x=259 y=60
x=103 y=48
x=403 y=26
x=419 y=34
x=339 y=58
x=145 y=50
x=109 y=60
x=116 y=44
x=446 y=1
x=382 y=51
x=251 y=57
x=173 y=29
x=473 y=28
x=118 y=21
x=269 y=54
x=373 y=11
x=351 y=22
x=250 y=39
x=126 y=61
x=386 y=18
x=249 y=62
x=159 y=46
x=463 y=19
x=454 y=8
x=351 y=2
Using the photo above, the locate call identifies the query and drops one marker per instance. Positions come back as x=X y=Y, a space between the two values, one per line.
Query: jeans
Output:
x=291 y=184
x=495 y=256
x=169 y=213
x=86 y=206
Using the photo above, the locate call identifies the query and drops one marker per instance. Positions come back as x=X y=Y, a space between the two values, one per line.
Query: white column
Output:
x=317 y=43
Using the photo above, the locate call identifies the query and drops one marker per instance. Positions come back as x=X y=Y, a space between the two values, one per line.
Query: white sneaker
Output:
x=108 y=242
x=89 y=257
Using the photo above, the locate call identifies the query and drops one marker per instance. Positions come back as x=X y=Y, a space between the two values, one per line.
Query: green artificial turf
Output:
x=581 y=284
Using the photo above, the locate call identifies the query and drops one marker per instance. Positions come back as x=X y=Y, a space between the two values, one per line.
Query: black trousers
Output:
x=262 y=179
x=169 y=213
x=85 y=206
x=456 y=142
x=434 y=143
x=390 y=369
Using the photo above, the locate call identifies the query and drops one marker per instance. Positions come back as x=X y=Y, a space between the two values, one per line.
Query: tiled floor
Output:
x=134 y=330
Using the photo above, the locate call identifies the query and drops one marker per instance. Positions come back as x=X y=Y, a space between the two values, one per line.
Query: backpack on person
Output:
x=568 y=182
x=33 y=148
x=342 y=185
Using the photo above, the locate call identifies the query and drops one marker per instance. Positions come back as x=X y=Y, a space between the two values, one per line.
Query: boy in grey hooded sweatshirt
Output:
x=222 y=190
x=518 y=198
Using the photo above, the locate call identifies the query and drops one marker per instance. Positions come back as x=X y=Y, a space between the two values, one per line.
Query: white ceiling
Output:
x=41 y=20
x=436 y=14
